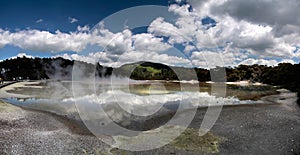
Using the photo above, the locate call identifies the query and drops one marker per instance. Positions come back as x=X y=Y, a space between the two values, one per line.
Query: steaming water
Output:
x=122 y=99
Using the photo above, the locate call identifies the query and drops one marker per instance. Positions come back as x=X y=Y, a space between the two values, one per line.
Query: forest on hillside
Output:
x=285 y=75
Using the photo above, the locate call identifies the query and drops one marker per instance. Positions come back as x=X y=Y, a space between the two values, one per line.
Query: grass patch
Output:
x=190 y=140
x=116 y=151
x=95 y=151
x=150 y=70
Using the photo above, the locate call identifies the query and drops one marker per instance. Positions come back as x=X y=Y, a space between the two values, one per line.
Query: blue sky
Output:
x=20 y=14
x=52 y=15
x=201 y=33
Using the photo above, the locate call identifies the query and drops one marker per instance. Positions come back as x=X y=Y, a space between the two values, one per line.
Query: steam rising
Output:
x=60 y=100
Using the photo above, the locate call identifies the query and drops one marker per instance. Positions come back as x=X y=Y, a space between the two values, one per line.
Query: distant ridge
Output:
x=285 y=74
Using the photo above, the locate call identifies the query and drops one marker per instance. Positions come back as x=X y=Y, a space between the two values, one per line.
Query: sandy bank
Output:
x=241 y=83
x=5 y=94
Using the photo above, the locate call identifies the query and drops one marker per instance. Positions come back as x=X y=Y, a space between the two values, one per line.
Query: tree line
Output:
x=285 y=75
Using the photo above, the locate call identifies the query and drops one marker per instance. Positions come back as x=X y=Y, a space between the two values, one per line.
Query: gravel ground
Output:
x=259 y=129
x=254 y=129
x=43 y=133
x=247 y=129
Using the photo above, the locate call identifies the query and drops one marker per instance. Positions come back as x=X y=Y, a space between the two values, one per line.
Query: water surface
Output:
x=138 y=97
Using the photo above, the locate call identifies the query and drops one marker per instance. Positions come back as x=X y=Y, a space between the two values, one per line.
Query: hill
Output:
x=285 y=75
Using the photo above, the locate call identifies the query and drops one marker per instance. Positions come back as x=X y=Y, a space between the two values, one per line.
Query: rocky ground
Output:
x=32 y=132
x=260 y=129
x=247 y=129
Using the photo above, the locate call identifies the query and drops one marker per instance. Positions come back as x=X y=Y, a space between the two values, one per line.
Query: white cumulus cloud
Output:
x=72 y=20
x=39 y=20
x=255 y=32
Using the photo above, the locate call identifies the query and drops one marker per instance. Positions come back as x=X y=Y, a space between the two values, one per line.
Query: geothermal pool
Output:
x=142 y=98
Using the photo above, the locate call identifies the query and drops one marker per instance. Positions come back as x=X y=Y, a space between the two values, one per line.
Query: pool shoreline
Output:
x=247 y=129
